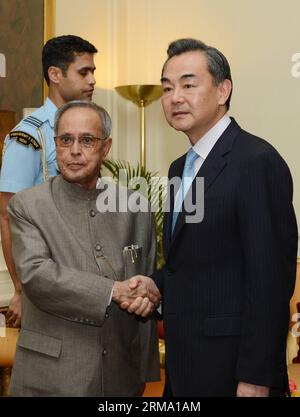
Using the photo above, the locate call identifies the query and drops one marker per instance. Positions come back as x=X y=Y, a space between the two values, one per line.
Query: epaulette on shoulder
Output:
x=33 y=121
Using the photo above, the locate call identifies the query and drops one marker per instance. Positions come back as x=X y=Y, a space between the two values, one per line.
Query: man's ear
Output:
x=107 y=144
x=225 y=88
x=55 y=74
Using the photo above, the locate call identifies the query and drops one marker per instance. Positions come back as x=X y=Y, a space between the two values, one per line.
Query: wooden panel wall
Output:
x=21 y=41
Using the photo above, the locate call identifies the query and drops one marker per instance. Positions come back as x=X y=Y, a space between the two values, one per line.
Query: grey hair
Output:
x=217 y=63
x=102 y=113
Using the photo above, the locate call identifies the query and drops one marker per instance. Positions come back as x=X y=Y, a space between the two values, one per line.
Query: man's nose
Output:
x=92 y=79
x=75 y=148
x=177 y=95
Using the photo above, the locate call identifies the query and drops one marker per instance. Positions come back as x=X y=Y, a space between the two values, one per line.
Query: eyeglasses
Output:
x=85 y=141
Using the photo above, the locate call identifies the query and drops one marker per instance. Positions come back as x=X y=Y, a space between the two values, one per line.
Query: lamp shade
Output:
x=140 y=94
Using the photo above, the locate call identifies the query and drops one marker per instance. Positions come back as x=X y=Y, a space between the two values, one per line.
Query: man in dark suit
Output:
x=228 y=279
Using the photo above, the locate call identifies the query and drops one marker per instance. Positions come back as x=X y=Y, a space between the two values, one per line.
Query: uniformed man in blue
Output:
x=29 y=156
x=27 y=143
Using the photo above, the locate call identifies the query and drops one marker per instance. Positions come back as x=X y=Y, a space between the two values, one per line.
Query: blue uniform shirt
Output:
x=22 y=152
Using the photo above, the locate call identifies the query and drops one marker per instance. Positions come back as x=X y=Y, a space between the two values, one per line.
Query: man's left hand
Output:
x=250 y=390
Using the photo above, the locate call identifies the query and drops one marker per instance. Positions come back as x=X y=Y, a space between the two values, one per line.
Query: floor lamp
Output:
x=142 y=95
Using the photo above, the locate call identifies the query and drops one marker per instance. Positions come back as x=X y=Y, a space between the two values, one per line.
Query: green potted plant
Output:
x=156 y=193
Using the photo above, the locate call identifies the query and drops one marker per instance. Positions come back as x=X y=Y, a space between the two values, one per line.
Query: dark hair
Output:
x=61 y=52
x=102 y=113
x=217 y=64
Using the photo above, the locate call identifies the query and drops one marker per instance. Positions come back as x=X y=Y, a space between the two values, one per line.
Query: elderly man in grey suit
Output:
x=77 y=267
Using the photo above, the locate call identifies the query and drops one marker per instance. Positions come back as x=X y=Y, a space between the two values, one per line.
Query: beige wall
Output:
x=258 y=38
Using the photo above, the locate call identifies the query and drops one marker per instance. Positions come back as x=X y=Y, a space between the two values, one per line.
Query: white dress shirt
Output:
x=205 y=144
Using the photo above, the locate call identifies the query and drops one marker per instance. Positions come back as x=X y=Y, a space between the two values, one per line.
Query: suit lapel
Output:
x=210 y=169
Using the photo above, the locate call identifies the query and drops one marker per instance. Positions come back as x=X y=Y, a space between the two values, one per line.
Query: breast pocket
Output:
x=132 y=257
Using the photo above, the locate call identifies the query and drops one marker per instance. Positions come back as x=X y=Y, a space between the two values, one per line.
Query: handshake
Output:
x=138 y=295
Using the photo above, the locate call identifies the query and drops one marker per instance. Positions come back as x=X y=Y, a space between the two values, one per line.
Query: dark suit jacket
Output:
x=228 y=280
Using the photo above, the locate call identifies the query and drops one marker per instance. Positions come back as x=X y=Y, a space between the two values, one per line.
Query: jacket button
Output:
x=92 y=213
x=104 y=352
x=106 y=315
x=98 y=247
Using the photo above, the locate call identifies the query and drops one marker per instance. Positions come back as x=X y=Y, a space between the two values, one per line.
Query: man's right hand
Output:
x=14 y=310
x=138 y=295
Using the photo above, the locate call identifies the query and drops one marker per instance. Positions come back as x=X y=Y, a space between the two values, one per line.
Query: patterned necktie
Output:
x=187 y=179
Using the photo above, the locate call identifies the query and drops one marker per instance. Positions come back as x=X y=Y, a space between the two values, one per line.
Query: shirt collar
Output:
x=207 y=142
x=50 y=110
